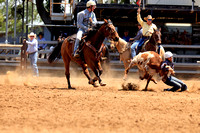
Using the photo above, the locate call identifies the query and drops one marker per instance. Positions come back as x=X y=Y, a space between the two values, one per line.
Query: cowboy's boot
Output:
x=76 y=52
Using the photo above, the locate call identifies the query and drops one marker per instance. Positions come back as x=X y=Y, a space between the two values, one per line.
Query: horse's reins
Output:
x=98 y=52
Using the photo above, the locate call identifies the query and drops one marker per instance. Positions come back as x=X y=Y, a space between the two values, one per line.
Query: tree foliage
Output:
x=11 y=12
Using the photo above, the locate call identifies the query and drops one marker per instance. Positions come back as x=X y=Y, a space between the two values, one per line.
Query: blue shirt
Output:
x=42 y=45
x=32 y=46
x=139 y=35
x=126 y=38
x=83 y=19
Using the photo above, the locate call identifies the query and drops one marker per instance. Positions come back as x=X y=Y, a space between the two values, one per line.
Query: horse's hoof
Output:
x=95 y=85
x=91 y=82
x=103 y=84
x=124 y=78
x=104 y=58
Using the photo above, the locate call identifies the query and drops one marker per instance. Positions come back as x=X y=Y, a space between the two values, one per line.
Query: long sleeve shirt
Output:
x=83 y=19
x=147 y=29
x=32 y=46
x=139 y=35
x=42 y=45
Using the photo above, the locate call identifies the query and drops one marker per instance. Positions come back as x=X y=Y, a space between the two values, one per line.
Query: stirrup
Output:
x=76 y=54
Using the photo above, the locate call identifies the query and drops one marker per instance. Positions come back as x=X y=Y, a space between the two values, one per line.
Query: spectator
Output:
x=32 y=52
x=41 y=39
x=126 y=37
x=41 y=46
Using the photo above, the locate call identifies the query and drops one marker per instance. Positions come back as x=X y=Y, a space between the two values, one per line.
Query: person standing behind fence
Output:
x=41 y=46
x=32 y=52
x=126 y=36
x=41 y=39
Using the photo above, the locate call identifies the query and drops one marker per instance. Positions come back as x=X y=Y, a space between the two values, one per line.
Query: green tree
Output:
x=11 y=10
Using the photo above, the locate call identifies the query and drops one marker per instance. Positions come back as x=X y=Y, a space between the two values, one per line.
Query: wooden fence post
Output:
x=23 y=56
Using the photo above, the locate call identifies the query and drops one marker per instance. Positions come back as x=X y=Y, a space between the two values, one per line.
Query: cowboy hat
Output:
x=168 y=54
x=90 y=3
x=149 y=17
x=31 y=34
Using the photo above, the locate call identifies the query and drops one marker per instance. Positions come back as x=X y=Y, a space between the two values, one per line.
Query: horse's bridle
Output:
x=156 y=43
x=110 y=32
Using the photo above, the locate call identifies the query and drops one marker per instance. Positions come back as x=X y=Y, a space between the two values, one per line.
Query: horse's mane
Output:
x=94 y=30
x=121 y=45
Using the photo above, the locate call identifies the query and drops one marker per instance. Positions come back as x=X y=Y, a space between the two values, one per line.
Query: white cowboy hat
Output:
x=149 y=17
x=32 y=34
x=168 y=54
x=90 y=3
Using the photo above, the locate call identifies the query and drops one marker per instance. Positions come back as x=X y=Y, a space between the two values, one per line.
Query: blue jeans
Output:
x=133 y=46
x=176 y=83
x=33 y=61
x=140 y=44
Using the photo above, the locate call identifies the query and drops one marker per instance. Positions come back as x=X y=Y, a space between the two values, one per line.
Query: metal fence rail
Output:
x=20 y=59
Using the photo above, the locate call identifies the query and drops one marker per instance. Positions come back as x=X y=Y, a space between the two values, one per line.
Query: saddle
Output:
x=84 y=43
x=72 y=38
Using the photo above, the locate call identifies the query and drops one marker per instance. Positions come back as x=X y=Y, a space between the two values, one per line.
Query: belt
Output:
x=32 y=52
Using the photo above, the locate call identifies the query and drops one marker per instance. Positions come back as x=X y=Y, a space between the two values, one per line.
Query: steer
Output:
x=149 y=64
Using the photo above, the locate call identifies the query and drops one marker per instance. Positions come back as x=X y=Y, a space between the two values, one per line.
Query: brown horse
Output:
x=91 y=52
x=124 y=50
x=153 y=43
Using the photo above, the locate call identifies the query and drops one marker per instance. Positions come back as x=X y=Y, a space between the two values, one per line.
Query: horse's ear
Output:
x=106 y=21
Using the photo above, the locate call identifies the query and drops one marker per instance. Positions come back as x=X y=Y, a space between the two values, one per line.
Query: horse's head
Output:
x=156 y=36
x=109 y=30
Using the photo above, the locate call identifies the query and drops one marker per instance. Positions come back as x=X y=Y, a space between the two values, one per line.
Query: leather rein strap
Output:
x=98 y=52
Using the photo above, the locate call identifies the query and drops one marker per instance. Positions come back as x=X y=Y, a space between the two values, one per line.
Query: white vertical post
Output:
x=15 y=22
x=192 y=5
x=143 y=5
x=6 y=41
x=32 y=16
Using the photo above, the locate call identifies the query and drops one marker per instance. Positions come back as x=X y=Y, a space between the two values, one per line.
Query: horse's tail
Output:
x=56 y=53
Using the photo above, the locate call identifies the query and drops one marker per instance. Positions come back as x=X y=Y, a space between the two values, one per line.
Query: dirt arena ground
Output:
x=45 y=105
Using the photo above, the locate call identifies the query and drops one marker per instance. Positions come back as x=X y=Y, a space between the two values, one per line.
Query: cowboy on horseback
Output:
x=136 y=40
x=148 y=28
x=85 y=19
